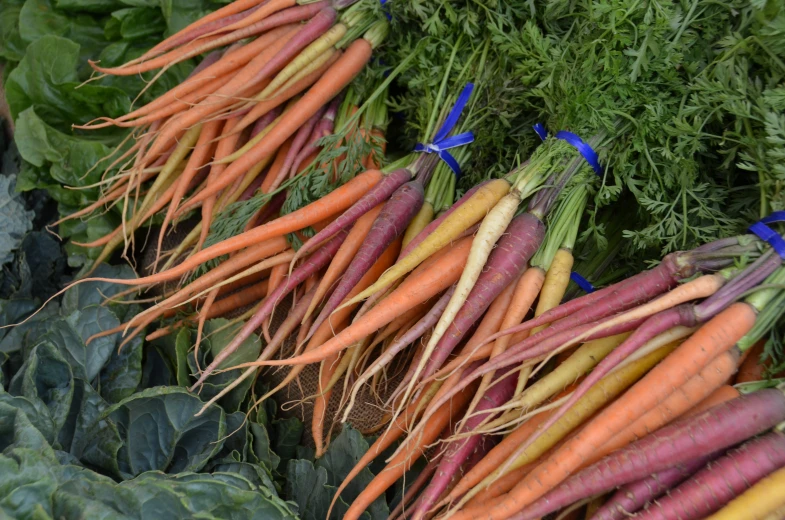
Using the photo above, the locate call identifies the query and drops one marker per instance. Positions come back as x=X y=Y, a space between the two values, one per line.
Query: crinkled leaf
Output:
x=15 y=220
x=45 y=378
x=122 y=373
x=159 y=430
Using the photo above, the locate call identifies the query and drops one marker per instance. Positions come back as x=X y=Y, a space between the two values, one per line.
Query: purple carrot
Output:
x=206 y=62
x=410 y=336
x=427 y=230
x=721 y=481
x=268 y=210
x=315 y=262
x=391 y=223
x=287 y=16
x=715 y=429
x=251 y=189
x=375 y=196
x=459 y=450
x=632 y=497
x=533 y=350
x=315 y=27
x=187 y=35
x=265 y=121
x=298 y=142
x=324 y=127
x=507 y=261
x=288 y=326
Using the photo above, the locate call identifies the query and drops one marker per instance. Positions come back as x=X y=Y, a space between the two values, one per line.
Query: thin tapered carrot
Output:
x=231 y=61
x=226 y=146
x=326 y=371
x=466 y=215
x=526 y=291
x=328 y=86
x=331 y=204
x=267 y=9
x=232 y=8
x=414 y=290
x=711 y=340
x=687 y=398
x=344 y=256
x=270 y=181
x=221 y=98
x=414 y=449
x=277 y=275
x=250 y=256
x=200 y=155
x=313 y=51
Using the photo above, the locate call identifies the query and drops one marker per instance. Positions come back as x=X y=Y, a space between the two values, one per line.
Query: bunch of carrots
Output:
x=251 y=115
x=617 y=401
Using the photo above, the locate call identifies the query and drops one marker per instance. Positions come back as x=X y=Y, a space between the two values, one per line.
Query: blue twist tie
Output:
x=382 y=2
x=767 y=234
x=582 y=282
x=583 y=148
x=441 y=143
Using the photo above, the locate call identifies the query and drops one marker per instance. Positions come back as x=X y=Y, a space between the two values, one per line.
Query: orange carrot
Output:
x=331 y=204
x=329 y=85
x=414 y=448
x=715 y=337
x=413 y=291
x=223 y=97
x=318 y=422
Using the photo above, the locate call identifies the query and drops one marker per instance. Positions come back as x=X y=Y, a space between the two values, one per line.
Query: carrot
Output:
x=319 y=419
x=336 y=201
x=228 y=10
x=632 y=497
x=414 y=447
x=582 y=360
x=610 y=387
x=505 y=264
x=317 y=47
x=269 y=8
x=690 y=438
x=222 y=97
x=526 y=291
x=344 y=255
x=391 y=222
x=314 y=263
x=667 y=317
x=414 y=290
x=715 y=337
x=372 y=199
x=203 y=150
x=331 y=83
x=725 y=478
x=757 y=502
x=229 y=62
x=465 y=215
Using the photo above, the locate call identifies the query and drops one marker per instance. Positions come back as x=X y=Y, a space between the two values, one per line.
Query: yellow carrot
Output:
x=465 y=216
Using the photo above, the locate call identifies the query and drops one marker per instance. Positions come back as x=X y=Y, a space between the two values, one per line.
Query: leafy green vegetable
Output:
x=15 y=220
x=312 y=485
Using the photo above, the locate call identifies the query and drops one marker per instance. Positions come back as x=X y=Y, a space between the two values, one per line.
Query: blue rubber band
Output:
x=767 y=234
x=582 y=282
x=441 y=143
x=583 y=148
